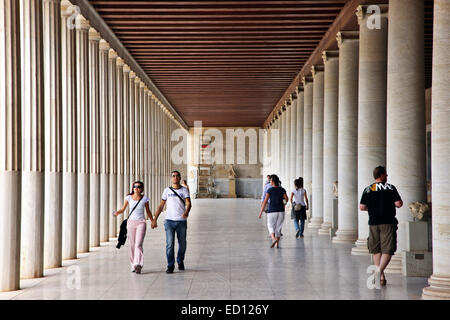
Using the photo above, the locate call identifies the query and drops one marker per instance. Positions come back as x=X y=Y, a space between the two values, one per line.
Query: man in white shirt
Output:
x=177 y=211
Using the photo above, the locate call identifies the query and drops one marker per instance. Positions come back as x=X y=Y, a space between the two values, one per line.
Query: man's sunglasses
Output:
x=138 y=186
x=175 y=175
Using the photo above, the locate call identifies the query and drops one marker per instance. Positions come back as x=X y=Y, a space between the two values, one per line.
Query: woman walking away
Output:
x=136 y=225
x=275 y=212
x=299 y=207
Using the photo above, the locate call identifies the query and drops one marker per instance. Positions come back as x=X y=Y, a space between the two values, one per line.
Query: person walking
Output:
x=300 y=203
x=177 y=211
x=381 y=199
x=136 y=224
x=275 y=212
x=266 y=187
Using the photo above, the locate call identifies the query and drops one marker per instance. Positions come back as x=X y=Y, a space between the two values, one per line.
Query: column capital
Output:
x=329 y=54
x=81 y=23
x=104 y=46
x=119 y=62
x=142 y=84
x=315 y=69
x=346 y=35
x=146 y=89
x=306 y=79
x=362 y=10
x=132 y=74
x=112 y=54
x=67 y=8
x=136 y=79
x=94 y=35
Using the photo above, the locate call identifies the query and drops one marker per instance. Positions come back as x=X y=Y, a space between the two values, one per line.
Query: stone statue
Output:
x=335 y=189
x=419 y=210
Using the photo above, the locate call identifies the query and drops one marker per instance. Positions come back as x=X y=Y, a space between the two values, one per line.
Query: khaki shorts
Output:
x=382 y=238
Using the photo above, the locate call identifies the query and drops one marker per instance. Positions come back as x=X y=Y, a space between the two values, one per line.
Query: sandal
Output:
x=383 y=281
x=274 y=243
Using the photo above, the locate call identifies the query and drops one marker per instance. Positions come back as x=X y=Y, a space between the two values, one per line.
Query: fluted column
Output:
x=112 y=152
x=83 y=133
x=132 y=129
x=10 y=145
x=151 y=187
x=97 y=77
x=348 y=200
x=120 y=141
x=126 y=131
x=293 y=142
x=282 y=145
x=32 y=233
x=146 y=150
x=137 y=129
x=299 y=135
x=287 y=144
x=330 y=134
x=440 y=153
x=317 y=147
x=53 y=134
x=371 y=111
x=307 y=136
x=141 y=132
x=70 y=150
x=406 y=132
x=102 y=140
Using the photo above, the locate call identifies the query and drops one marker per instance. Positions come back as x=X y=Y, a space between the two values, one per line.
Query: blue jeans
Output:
x=180 y=228
x=302 y=225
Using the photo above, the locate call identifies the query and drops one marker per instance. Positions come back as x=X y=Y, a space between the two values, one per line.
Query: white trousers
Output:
x=275 y=222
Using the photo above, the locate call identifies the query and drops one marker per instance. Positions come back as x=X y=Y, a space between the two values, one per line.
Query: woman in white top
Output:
x=300 y=197
x=136 y=225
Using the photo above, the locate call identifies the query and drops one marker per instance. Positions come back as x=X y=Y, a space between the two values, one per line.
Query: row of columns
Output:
x=77 y=128
x=364 y=107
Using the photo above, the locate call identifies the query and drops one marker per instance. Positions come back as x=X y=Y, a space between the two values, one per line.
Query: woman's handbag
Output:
x=298 y=207
x=123 y=228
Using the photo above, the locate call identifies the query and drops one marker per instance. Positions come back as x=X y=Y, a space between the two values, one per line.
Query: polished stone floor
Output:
x=228 y=257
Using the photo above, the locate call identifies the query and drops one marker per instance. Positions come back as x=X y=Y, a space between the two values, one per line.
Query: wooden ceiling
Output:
x=226 y=63
x=229 y=63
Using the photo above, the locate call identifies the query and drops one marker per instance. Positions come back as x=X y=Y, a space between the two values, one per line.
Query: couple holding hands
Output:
x=178 y=202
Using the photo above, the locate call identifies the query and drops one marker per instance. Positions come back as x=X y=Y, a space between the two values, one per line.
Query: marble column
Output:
x=96 y=84
x=307 y=137
x=287 y=144
x=10 y=145
x=126 y=132
x=112 y=154
x=53 y=134
x=299 y=130
x=405 y=111
x=440 y=153
x=371 y=111
x=83 y=133
x=131 y=128
x=32 y=229
x=151 y=187
x=103 y=145
x=141 y=132
x=120 y=141
x=282 y=145
x=137 y=129
x=70 y=150
x=317 y=147
x=293 y=142
x=145 y=153
x=348 y=202
x=330 y=135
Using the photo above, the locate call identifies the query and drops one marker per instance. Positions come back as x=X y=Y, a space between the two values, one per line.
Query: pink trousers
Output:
x=136 y=233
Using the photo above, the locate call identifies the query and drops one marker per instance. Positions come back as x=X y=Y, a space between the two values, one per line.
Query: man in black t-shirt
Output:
x=381 y=199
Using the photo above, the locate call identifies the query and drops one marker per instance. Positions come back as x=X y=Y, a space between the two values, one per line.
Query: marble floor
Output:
x=228 y=257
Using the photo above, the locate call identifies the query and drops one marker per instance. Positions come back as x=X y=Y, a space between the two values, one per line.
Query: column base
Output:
x=325 y=228
x=315 y=223
x=345 y=236
x=361 y=248
x=439 y=288
x=395 y=265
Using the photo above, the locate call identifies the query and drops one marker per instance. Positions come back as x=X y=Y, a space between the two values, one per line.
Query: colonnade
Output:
x=364 y=107
x=77 y=128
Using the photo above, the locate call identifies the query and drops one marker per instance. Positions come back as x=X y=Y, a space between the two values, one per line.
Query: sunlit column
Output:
x=120 y=141
x=112 y=152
